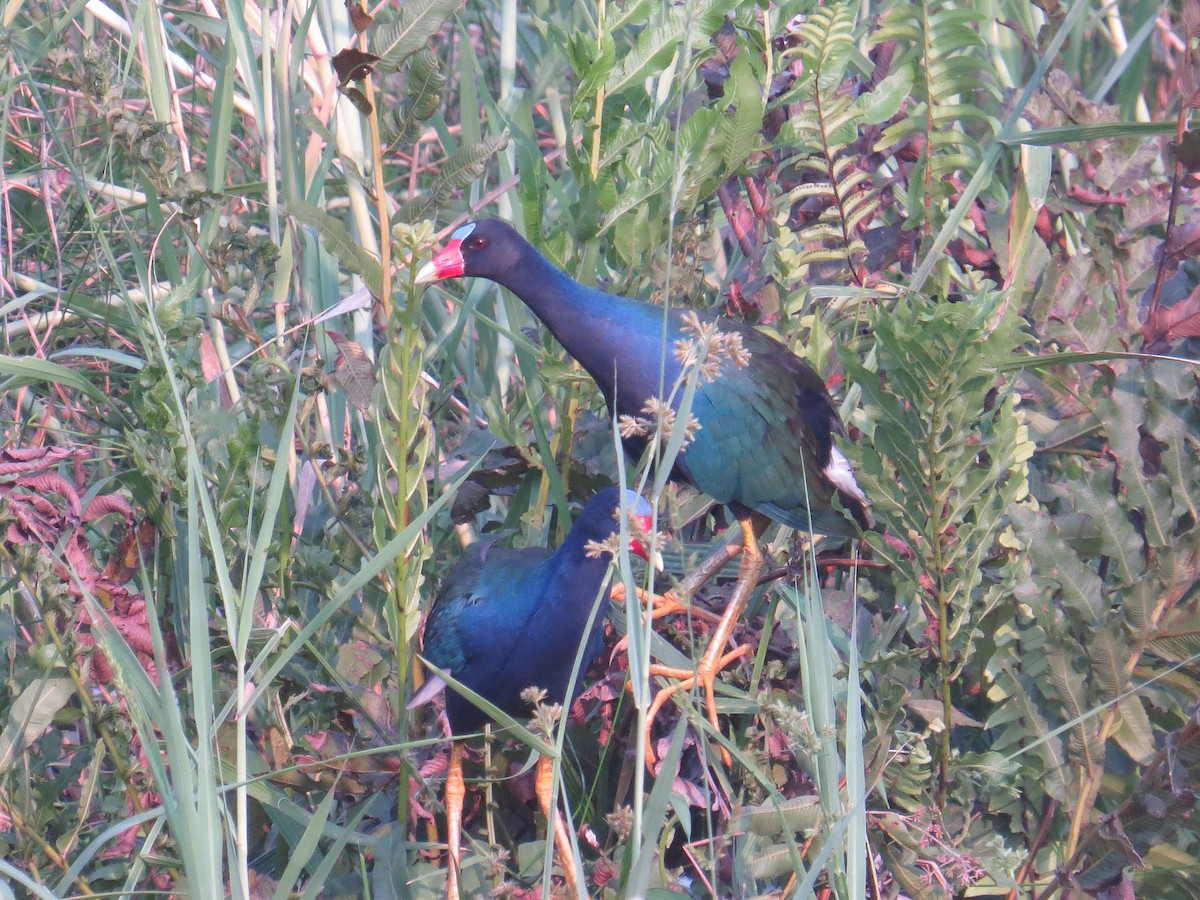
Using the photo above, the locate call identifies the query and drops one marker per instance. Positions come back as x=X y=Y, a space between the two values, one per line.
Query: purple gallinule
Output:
x=508 y=620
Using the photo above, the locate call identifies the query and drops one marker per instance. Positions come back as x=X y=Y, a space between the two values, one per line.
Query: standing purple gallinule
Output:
x=765 y=441
x=508 y=620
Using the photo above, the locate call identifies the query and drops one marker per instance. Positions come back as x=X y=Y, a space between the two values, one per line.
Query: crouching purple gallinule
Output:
x=508 y=620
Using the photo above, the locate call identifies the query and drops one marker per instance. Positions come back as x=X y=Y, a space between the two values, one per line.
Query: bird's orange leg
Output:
x=456 y=792
x=544 y=787
x=715 y=657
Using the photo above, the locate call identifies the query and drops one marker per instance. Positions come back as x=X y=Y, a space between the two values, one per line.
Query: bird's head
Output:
x=641 y=521
x=600 y=520
x=487 y=248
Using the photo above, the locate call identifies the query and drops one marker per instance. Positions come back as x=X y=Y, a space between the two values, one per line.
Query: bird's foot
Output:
x=716 y=657
x=704 y=675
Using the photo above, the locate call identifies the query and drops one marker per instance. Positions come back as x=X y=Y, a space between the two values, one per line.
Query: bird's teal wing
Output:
x=762 y=426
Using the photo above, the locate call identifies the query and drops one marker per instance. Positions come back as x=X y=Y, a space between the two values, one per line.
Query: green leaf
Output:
x=669 y=25
x=338 y=241
x=774 y=816
x=30 y=714
x=741 y=129
x=592 y=69
x=655 y=813
x=1133 y=733
x=1072 y=694
x=426 y=81
x=464 y=167
x=1049 y=137
x=418 y=21
x=23 y=370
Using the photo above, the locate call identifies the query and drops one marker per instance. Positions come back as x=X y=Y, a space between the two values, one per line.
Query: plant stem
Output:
x=598 y=117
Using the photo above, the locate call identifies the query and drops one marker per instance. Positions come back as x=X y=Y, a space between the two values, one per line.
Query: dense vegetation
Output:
x=240 y=446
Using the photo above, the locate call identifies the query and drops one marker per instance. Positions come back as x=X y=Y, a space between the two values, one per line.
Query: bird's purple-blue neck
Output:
x=617 y=340
x=620 y=342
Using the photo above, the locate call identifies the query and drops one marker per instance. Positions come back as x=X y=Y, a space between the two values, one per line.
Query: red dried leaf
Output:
x=107 y=504
x=1175 y=322
x=1191 y=18
x=359 y=17
x=46 y=482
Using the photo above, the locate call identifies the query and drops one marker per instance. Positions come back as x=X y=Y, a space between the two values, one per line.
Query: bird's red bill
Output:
x=446 y=263
x=640 y=547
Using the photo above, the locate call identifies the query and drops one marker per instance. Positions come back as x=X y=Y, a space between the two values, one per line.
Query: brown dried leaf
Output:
x=45 y=482
x=134 y=547
x=1184 y=242
x=353 y=65
x=1187 y=151
x=14 y=460
x=359 y=17
x=358 y=98
x=354 y=373
x=1183 y=319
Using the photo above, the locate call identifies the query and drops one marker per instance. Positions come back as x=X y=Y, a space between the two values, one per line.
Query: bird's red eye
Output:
x=476 y=243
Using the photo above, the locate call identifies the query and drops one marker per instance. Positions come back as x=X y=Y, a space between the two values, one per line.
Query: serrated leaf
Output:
x=338 y=241
x=418 y=21
x=1119 y=540
x=1071 y=693
x=426 y=81
x=1179 y=637
x=796 y=814
x=1126 y=415
x=354 y=373
x=469 y=163
x=1054 y=560
x=661 y=38
x=458 y=172
x=772 y=862
x=1133 y=733
x=1108 y=651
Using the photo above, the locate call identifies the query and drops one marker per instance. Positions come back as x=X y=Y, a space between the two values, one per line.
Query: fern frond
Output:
x=466 y=165
x=741 y=128
x=838 y=199
x=425 y=84
x=1018 y=720
x=939 y=44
